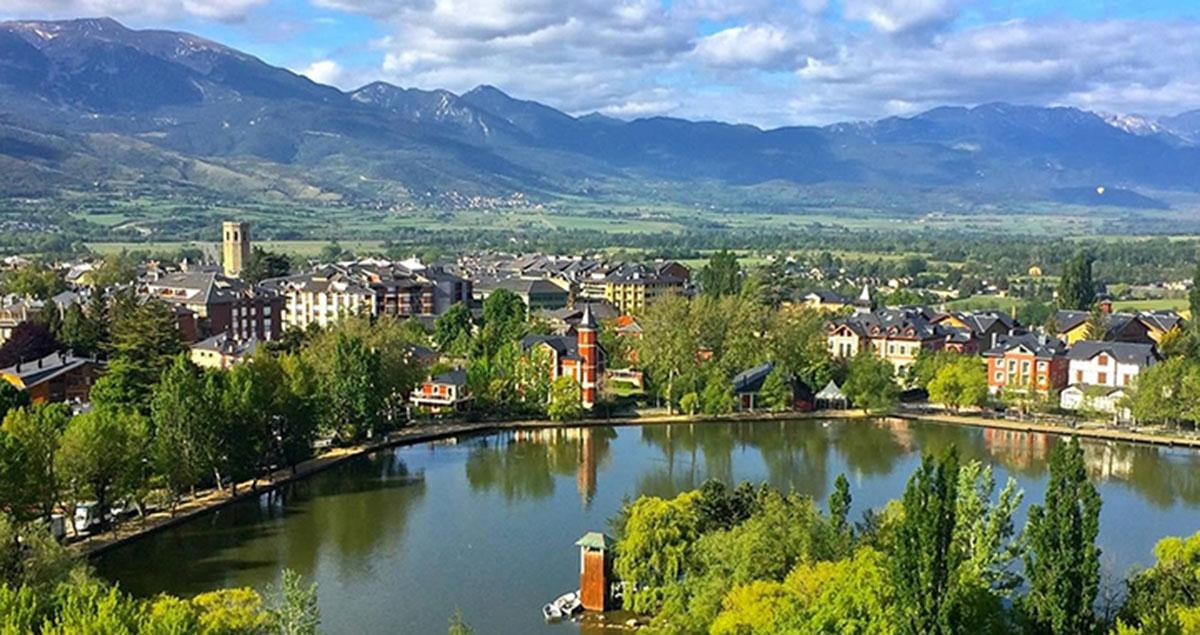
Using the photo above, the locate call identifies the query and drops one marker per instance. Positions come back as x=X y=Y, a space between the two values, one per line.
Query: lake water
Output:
x=486 y=524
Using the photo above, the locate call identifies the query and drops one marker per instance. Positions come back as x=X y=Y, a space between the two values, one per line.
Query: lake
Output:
x=487 y=524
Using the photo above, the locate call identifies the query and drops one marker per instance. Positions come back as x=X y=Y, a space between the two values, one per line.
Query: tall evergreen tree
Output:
x=1063 y=561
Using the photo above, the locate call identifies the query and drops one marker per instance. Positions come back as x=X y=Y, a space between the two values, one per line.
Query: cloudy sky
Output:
x=764 y=62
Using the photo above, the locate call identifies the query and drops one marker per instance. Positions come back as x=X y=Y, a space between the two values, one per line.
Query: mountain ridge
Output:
x=190 y=97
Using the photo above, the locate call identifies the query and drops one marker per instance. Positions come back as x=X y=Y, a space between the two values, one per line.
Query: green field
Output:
x=1160 y=304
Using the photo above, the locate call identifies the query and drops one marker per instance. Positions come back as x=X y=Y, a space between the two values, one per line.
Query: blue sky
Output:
x=766 y=62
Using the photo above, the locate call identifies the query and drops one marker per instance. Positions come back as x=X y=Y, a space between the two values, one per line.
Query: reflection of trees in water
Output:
x=1163 y=476
x=353 y=508
x=871 y=448
x=523 y=463
x=691 y=453
x=793 y=453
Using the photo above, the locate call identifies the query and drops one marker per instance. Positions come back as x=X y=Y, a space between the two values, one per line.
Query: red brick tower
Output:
x=589 y=356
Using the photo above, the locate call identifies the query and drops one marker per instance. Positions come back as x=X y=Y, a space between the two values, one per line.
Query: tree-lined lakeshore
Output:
x=947 y=557
x=159 y=428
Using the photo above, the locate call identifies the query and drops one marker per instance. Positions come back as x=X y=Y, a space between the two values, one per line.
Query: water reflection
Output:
x=352 y=511
x=796 y=455
x=523 y=463
x=487 y=524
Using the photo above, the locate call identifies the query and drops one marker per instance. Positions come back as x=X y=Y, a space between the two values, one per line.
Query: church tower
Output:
x=235 y=238
x=589 y=355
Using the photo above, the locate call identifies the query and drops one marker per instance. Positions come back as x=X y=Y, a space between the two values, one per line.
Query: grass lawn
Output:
x=984 y=302
x=1177 y=304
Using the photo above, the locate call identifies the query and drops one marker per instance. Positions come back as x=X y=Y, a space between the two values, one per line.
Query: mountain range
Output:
x=92 y=106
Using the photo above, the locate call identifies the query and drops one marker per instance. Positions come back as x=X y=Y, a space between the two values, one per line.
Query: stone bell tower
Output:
x=235 y=239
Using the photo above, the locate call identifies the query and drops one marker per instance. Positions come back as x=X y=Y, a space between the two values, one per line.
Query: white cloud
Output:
x=756 y=45
x=1115 y=65
x=897 y=16
x=140 y=11
x=325 y=72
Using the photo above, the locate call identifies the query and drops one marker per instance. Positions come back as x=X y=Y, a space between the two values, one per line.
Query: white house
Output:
x=1111 y=364
x=1100 y=372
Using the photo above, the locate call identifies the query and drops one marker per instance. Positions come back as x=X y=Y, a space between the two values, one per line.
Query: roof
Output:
x=1040 y=345
x=749 y=381
x=831 y=391
x=566 y=346
x=596 y=540
x=522 y=286
x=197 y=287
x=827 y=297
x=33 y=372
x=1160 y=320
x=1124 y=352
x=456 y=377
x=893 y=323
x=226 y=344
x=980 y=322
x=587 y=320
x=1068 y=320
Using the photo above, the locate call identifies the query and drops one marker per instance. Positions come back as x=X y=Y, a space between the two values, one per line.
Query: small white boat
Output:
x=564 y=606
x=569 y=603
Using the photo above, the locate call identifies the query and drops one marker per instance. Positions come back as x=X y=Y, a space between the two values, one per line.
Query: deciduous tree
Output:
x=1063 y=561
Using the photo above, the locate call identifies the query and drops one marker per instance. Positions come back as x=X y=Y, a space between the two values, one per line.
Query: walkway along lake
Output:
x=399 y=539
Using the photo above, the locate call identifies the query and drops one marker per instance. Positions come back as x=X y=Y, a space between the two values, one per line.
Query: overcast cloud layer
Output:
x=759 y=61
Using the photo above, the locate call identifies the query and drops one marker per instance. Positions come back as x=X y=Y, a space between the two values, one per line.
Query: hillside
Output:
x=90 y=106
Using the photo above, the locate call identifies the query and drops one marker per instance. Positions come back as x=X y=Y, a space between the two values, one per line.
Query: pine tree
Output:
x=1063 y=561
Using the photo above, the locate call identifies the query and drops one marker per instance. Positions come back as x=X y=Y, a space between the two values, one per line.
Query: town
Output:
x=145 y=354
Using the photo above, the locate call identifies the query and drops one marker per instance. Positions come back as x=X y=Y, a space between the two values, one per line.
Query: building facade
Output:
x=1027 y=361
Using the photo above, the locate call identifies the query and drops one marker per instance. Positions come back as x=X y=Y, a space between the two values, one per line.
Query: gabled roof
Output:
x=1040 y=346
x=751 y=381
x=1069 y=320
x=31 y=373
x=565 y=346
x=1124 y=352
x=892 y=323
x=1160 y=320
x=456 y=377
x=981 y=322
x=827 y=297
x=226 y=344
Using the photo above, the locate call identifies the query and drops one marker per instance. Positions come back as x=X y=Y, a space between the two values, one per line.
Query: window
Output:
x=1102 y=360
x=1125 y=380
x=1025 y=368
x=1079 y=376
x=1103 y=378
x=999 y=377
